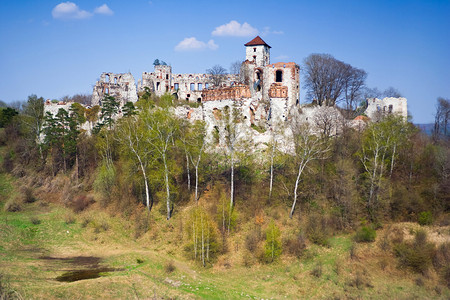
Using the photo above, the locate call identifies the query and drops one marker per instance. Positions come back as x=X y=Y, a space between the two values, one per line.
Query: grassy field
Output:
x=46 y=240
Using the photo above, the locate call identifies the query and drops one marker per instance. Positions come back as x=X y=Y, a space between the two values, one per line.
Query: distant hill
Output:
x=426 y=128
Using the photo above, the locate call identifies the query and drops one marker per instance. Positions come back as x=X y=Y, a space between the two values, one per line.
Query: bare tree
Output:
x=391 y=92
x=441 y=118
x=217 y=74
x=354 y=87
x=235 y=67
x=329 y=80
x=327 y=119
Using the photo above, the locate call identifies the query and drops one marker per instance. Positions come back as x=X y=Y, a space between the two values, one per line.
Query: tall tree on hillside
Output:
x=231 y=122
x=196 y=147
x=34 y=118
x=308 y=147
x=132 y=136
x=441 y=118
x=162 y=127
x=110 y=108
x=378 y=153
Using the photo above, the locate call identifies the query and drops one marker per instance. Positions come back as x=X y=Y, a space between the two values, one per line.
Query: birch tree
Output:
x=162 y=128
x=196 y=143
x=378 y=152
x=308 y=147
x=231 y=122
x=132 y=137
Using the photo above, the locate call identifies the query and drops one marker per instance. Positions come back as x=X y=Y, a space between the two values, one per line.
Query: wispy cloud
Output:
x=71 y=11
x=281 y=57
x=192 y=44
x=234 y=28
x=104 y=10
x=267 y=31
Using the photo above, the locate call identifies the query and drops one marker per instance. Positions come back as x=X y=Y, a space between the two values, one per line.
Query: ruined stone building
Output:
x=265 y=95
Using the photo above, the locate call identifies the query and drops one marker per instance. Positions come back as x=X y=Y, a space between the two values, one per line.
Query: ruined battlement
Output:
x=235 y=92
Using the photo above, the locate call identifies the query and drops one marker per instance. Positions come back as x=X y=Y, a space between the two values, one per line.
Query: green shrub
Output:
x=35 y=221
x=104 y=182
x=203 y=244
x=417 y=255
x=272 y=247
x=318 y=231
x=295 y=246
x=170 y=267
x=425 y=218
x=13 y=205
x=365 y=234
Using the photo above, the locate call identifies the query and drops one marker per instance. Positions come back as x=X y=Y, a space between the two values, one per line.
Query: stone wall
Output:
x=183 y=86
x=379 y=107
x=122 y=86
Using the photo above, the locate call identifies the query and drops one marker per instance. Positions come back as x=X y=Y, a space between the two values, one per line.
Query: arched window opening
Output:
x=106 y=78
x=192 y=88
x=278 y=76
x=115 y=80
x=199 y=100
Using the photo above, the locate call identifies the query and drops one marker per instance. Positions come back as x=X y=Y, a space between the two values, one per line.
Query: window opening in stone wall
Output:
x=157 y=86
x=167 y=76
x=107 y=91
x=188 y=95
x=206 y=85
x=126 y=88
x=391 y=108
x=192 y=87
x=254 y=57
x=167 y=88
x=258 y=88
x=115 y=80
x=258 y=76
x=254 y=49
x=199 y=86
x=176 y=86
x=199 y=100
x=106 y=78
x=278 y=76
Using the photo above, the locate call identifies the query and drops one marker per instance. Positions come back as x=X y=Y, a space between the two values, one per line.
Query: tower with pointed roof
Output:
x=258 y=51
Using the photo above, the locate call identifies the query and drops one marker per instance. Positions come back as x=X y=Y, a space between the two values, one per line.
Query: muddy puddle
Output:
x=78 y=267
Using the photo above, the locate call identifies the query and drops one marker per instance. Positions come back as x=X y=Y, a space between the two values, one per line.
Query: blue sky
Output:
x=58 y=48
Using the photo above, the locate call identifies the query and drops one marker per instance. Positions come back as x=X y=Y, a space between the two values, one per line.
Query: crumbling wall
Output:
x=122 y=86
x=380 y=107
x=183 y=86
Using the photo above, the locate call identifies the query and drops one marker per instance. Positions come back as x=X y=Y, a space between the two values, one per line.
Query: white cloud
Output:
x=69 y=10
x=104 y=10
x=267 y=31
x=234 y=28
x=212 y=45
x=281 y=57
x=192 y=44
